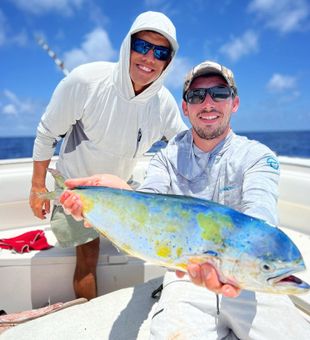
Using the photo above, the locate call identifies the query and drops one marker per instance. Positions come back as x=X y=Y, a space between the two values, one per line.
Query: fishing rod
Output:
x=53 y=55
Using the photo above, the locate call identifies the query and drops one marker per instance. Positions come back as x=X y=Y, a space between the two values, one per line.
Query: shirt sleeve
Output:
x=157 y=179
x=260 y=189
x=63 y=110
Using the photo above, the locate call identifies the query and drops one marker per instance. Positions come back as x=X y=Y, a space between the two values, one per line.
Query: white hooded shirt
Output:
x=106 y=126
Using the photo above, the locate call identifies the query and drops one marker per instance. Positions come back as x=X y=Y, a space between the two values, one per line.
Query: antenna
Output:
x=53 y=55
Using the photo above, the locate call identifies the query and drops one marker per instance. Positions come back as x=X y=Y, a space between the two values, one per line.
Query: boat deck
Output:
x=32 y=280
x=126 y=313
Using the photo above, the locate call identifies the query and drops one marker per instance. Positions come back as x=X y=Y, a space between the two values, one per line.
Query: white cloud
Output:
x=282 y=15
x=241 y=46
x=6 y=37
x=13 y=105
x=19 y=116
x=9 y=109
x=10 y=96
x=38 y=7
x=20 y=39
x=176 y=75
x=280 y=83
x=96 y=46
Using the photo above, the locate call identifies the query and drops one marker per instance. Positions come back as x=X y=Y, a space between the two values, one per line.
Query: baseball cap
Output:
x=210 y=67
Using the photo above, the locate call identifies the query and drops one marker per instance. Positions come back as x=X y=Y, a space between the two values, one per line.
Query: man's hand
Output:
x=106 y=180
x=206 y=275
x=39 y=206
x=72 y=203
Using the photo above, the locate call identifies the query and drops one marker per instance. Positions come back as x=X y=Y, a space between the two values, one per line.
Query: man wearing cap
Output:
x=210 y=161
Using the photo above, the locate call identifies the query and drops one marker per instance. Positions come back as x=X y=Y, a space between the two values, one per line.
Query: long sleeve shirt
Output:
x=238 y=172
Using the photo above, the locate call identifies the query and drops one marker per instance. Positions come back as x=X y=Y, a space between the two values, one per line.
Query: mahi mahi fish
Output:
x=171 y=231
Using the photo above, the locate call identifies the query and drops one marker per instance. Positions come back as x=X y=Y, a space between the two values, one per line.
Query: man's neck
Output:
x=139 y=89
x=207 y=145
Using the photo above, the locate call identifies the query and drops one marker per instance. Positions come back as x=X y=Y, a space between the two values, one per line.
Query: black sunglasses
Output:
x=217 y=93
x=142 y=46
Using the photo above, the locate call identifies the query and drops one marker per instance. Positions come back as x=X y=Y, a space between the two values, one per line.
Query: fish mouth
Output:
x=287 y=280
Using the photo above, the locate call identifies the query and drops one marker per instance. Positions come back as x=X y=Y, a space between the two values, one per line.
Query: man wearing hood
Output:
x=109 y=115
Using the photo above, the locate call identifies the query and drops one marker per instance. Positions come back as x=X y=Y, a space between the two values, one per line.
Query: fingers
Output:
x=75 y=182
x=87 y=224
x=72 y=205
x=39 y=206
x=205 y=275
x=179 y=274
x=209 y=278
x=107 y=180
x=230 y=291
x=40 y=213
x=195 y=273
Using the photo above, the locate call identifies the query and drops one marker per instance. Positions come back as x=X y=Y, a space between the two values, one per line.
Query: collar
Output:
x=188 y=159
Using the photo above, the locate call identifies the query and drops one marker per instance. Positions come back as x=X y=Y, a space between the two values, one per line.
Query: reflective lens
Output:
x=217 y=93
x=142 y=46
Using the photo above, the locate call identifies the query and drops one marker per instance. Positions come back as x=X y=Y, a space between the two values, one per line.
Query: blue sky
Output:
x=265 y=42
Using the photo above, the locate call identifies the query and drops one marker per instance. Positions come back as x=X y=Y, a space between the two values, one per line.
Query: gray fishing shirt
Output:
x=240 y=173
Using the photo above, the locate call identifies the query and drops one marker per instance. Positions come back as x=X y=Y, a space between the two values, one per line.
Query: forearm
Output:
x=39 y=174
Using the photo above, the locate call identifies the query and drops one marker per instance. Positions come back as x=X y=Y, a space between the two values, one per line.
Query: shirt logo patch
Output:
x=273 y=163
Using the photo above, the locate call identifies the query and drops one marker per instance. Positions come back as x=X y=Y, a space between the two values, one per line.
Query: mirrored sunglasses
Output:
x=217 y=93
x=142 y=46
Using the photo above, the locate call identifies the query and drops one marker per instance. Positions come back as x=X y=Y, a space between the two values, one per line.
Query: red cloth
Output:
x=31 y=240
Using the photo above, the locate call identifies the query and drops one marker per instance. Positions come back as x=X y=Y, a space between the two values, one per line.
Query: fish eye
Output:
x=266 y=267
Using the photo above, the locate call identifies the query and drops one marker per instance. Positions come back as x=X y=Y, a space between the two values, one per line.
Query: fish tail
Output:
x=58 y=177
x=60 y=186
x=47 y=195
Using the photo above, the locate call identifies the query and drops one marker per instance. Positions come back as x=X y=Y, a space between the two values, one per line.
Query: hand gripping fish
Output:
x=171 y=230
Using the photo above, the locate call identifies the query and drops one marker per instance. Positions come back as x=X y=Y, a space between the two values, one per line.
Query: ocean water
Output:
x=284 y=143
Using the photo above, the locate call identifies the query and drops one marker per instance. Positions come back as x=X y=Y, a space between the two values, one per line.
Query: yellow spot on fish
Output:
x=163 y=249
x=140 y=214
x=171 y=229
x=211 y=226
x=88 y=204
x=179 y=251
x=182 y=266
x=185 y=214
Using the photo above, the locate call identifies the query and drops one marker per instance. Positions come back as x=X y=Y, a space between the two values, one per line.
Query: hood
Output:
x=147 y=21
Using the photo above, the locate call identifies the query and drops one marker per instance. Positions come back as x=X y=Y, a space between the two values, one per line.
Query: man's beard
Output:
x=208 y=135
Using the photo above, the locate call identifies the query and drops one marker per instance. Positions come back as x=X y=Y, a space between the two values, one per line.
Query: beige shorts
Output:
x=68 y=231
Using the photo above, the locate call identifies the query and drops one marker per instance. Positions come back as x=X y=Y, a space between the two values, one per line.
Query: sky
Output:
x=266 y=43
